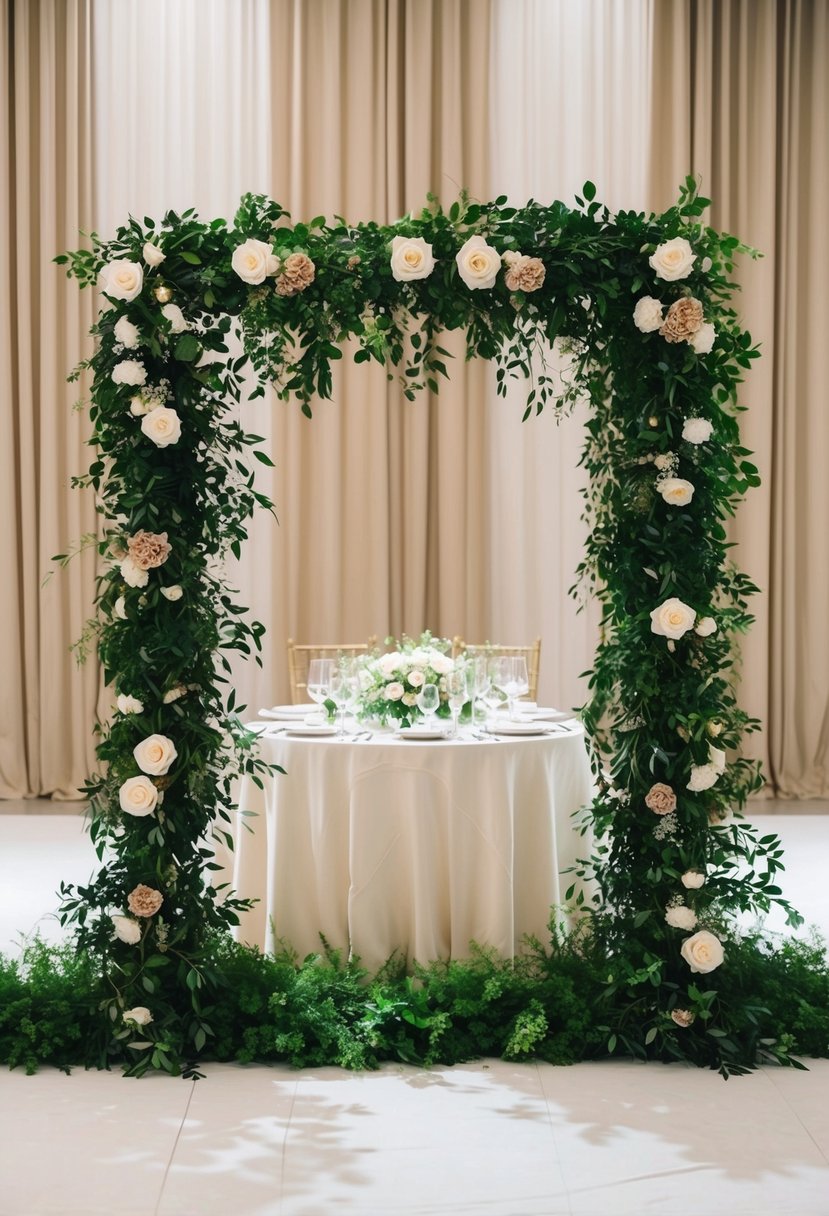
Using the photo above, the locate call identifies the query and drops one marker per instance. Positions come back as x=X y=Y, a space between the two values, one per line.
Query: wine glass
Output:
x=518 y=684
x=342 y=686
x=500 y=675
x=427 y=701
x=456 y=694
x=319 y=679
x=478 y=683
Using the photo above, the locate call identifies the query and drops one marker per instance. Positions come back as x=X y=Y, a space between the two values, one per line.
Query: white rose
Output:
x=411 y=258
x=389 y=663
x=697 y=430
x=152 y=255
x=716 y=757
x=139 y=405
x=676 y=492
x=672 y=619
x=274 y=264
x=177 y=319
x=703 y=952
x=409 y=698
x=681 y=917
x=478 y=263
x=394 y=691
x=128 y=705
x=416 y=678
x=703 y=339
x=648 y=314
x=133 y=575
x=673 y=260
x=126 y=929
x=119 y=608
x=140 y=1015
x=441 y=663
x=162 y=425
x=126 y=333
x=138 y=796
x=172 y=593
x=155 y=755
x=173 y=694
x=122 y=280
x=703 y=776
x=705 y=627
x=692 y=880
x=129 y=371
x=252 y=261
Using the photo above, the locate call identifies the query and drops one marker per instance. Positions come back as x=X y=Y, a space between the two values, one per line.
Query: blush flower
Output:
x=684 y=319
x=525 y=274
x=297 y=273
x=144 y=900
x=149 y=549
x=660 y=799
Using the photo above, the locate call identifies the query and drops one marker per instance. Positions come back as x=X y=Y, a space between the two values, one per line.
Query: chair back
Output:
x=532 y=653
x=300 y=656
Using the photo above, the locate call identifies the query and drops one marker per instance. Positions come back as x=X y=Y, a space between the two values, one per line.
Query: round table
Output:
x=388 y=845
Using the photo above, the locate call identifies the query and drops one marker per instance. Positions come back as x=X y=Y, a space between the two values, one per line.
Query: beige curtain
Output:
x=46 y=705
x=741 y=94
x=381 y=501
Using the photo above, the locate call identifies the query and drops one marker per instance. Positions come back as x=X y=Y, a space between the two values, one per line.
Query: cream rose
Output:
x=152 y=255
x=692 y=880
x=172 y=593
x=138 y=796
x=676 y=492
x=703 y=340
x=394 y=691
x=678 y=916
x=252 y=261
x=411 y=258
x=697 y=430
x=119 y=608
x=177 y=319
x=409 y=698
x=478 y=263
x=416 y=678
x=133 y=575
x=441 y=664
x=126 y=333
x=126 y=929
x=122 y=280
x=648 y=314
x=129 y=371
x=705 y=627
x=128 y=705
x=672 y=619
x=162 y=425
x=703 y=952
x=673 y=259
x=703 y=776
x=140 y=1015
x=155 y=755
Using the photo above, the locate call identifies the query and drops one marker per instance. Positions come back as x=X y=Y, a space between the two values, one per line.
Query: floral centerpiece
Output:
x=389 y=683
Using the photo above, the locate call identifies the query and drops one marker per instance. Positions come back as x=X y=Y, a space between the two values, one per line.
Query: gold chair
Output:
x=493 y=650
x=299 y=657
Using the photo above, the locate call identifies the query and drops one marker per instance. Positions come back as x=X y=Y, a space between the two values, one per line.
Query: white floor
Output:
x=481 y=1139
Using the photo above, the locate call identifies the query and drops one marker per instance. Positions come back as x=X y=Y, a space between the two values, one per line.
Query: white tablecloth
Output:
x=418 y=847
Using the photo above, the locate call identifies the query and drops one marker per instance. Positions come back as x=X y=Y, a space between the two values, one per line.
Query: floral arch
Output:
x=642 y=305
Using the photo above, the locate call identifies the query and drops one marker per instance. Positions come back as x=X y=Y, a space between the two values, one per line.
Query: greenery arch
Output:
x=642 y=304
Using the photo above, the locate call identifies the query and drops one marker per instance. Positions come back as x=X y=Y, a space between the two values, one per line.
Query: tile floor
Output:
x=481 y=1139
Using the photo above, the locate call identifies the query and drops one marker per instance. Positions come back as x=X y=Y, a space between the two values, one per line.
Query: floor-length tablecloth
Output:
x=416 y=847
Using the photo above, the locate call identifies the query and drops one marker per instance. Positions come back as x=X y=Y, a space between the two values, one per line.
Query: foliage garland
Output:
x=641 y=303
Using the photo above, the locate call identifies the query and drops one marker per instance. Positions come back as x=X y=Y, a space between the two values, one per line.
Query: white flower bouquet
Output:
x=390 y=683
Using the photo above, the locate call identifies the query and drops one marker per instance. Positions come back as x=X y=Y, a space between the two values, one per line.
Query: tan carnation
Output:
x=525 y=274
x=298 y=272
x=144 y=901
x=684 y=319
x=682 y=1017
x=660 y=799
x=149 y=549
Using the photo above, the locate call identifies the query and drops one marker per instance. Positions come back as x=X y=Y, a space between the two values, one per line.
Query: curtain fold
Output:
x=743 y=100
x=48 y=706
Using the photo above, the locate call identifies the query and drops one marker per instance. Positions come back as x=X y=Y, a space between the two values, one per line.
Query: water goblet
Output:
x=427 y=701
x=319 y=679
x=341 y=689
x=518 y=684
x=456 y=694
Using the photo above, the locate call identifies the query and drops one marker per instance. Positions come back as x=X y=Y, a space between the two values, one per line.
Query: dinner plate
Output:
x=518 y=728
x=415 y=732
x=288 y=712
x=310 y=728
x=549 y=715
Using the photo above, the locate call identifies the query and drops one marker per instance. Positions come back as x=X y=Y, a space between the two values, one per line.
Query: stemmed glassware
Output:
x=518 y=684
x=456 y=693
x=343 y=687
x=319 y=679
x=427 y=701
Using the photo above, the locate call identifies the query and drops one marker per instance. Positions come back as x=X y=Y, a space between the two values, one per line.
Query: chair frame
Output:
x=531 y=652
x=300 y=655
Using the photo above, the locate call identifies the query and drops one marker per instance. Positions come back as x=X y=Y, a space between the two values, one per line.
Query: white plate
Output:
x=310 y=728
x=518 y=728
x=550 y=715
x=287 y=713
x=415 y=732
